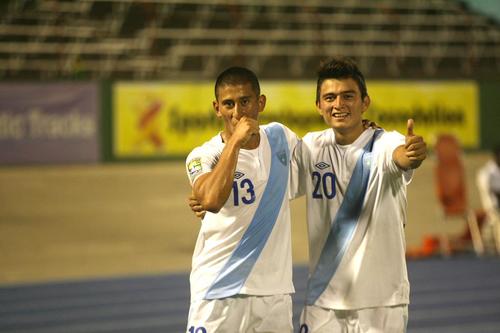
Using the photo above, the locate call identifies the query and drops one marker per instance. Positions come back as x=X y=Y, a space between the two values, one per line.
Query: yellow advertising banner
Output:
x=161 y=119
x=170 y=119
x=436 y=107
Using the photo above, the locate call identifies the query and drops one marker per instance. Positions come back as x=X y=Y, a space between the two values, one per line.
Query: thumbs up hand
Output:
x=415 y=146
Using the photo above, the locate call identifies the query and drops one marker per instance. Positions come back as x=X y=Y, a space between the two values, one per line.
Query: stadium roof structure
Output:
x=196 y=39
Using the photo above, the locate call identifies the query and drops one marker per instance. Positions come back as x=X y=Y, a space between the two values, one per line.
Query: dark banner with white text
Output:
x=49 y=123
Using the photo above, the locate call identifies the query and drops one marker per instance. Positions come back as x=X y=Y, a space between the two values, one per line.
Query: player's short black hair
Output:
x=340 y=68
x=237 y=75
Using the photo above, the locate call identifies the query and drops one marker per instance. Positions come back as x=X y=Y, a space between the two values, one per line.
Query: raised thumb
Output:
x=409 y=127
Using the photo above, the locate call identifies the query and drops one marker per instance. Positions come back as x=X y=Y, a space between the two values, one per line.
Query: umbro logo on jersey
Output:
x=322 y=165
x=282 y=157
x=238 y=175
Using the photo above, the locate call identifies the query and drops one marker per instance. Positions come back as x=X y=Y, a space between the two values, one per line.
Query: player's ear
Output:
x=262 y=102
x=318 y=107
x=216 y=106
x=366 y=103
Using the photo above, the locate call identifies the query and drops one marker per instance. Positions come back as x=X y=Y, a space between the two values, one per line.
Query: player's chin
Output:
x=338 y=123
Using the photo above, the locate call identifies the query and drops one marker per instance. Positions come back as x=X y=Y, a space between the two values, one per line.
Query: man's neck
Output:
x=253 y=142
x=348 y=136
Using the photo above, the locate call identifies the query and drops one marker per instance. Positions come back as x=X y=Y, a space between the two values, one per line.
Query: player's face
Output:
x=236 y=101
x=340 y=104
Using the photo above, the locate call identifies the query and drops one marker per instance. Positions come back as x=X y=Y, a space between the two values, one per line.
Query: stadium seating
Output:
x=192 y=39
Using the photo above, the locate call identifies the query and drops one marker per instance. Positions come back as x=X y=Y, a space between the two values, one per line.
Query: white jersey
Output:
x=246 y=247
x=361 y=263
x=488 y=179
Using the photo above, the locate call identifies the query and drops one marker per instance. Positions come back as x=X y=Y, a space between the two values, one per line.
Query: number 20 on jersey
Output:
x=324 y=185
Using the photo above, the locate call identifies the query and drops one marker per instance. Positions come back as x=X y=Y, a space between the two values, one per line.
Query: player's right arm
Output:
x=212 y=189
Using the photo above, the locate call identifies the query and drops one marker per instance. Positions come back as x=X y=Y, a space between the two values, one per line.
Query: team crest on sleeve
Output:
x=194 y=167
x=322 y=165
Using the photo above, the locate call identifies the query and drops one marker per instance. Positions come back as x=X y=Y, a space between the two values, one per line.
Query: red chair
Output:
x=451 y=191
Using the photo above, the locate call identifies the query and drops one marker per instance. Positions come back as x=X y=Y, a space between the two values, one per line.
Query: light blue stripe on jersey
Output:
x=343 y=225
x=237 y=269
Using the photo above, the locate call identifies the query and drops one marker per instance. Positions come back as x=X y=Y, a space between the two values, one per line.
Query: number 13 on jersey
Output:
x=247 y=193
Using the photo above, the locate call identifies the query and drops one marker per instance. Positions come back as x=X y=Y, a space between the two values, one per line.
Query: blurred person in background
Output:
x=354 y=179
x=488 y=182
x=241 y=278
x=451 y=192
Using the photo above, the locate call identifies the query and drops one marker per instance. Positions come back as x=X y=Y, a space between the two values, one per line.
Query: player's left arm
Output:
x=413 y=152
x=196 y=206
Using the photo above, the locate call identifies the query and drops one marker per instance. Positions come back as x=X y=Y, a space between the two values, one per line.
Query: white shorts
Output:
x=242 y=314
x=390 y=319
